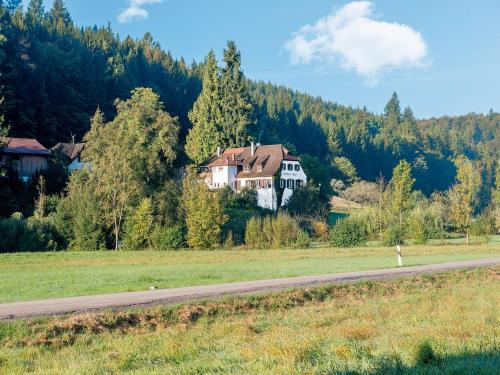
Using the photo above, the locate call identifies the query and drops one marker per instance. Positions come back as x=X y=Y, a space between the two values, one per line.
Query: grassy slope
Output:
x=368 y=328
x=44 y=275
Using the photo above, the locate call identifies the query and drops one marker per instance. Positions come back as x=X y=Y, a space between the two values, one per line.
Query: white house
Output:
x=255 y=167
x=73 y=153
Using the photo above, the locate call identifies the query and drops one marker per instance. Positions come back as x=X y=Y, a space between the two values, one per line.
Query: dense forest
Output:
x=56 y=74
x=57 y=78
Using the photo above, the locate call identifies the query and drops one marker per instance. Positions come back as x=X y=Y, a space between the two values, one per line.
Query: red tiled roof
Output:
x=23 y=146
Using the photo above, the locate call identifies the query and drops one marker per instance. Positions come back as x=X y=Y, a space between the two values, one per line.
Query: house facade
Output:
x=72 y=152
x=24 y=156
x=255 y=167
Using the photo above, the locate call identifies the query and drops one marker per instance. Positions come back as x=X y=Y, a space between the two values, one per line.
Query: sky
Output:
x=442 y=57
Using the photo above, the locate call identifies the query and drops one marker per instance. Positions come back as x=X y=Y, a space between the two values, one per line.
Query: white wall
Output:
x=224 y=176
x=294 y=175
x=266 y=197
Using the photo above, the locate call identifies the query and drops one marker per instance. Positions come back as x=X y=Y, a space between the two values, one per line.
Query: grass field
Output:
x=442 y=324
x=27 y=276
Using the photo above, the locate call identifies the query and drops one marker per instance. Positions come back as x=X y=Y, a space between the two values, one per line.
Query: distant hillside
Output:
x=55 y=75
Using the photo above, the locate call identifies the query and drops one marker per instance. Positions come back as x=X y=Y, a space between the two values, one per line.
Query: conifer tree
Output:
x=36 y=9
x=204 y=136
x=59 y=13
x=236 y=108
x=13 y=5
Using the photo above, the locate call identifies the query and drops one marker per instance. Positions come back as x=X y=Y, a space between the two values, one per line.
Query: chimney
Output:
x=252 y=149
x=218 y=150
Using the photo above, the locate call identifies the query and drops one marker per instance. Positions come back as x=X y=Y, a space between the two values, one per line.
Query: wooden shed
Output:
x=25 y=156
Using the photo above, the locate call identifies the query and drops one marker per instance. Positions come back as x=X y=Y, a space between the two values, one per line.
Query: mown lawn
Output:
x=27 y=276
x=442 y=324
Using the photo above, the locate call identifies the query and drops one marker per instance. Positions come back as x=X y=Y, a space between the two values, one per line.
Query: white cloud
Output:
x=352 y=38
x=135 y=10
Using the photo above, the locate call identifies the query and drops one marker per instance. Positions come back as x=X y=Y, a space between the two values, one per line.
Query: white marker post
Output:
x=400 y=262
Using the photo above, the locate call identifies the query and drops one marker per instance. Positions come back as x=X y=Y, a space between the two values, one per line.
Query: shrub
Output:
x=139 y=226
x=425 y=355
x=320 y=229
x=483 y=226
x=253 y=233
x=229 y=242
x=394 y=235
x=303 y=241
x=169 y=238
x=285 y=230
x=348 y=232
x=276 y=232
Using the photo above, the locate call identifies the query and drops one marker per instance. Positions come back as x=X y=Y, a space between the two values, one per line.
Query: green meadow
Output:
x=27 y=276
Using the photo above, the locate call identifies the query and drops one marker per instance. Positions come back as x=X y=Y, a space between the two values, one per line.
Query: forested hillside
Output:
x=55 y=75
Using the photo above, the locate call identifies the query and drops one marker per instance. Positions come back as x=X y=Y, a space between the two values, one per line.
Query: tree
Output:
x=236 y=108
x=401 y=186
x=204 y=214
x=204 y=136
x=79 y=217
x=463 y=195
x=140 y=226
x=59 y=13
x=408 y=128
x=13 y=5
x=132 y=155
x=36 y=10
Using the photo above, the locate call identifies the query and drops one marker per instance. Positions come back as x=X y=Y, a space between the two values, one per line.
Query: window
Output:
x=290 y=167
x=282 y=183
x=297 y=167
x=289 y=184
x=259 y=168
x=283 y=167
x=246 y=168
x=221 y=169
x=298 y=183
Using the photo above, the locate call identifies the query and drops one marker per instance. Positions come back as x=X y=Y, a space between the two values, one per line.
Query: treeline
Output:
x=56 y=74
x=392 y=212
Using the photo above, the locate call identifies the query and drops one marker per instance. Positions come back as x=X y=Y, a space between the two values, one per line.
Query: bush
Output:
x=285 y=231
x=139 y=226
x=169 y=238
x=34 y=234
x=394 y=235
x=483 y=226
x=303 y=241
x=280 y=231
x=253 y=233
x=425 y=355
x=348 y=232
x=320 y=229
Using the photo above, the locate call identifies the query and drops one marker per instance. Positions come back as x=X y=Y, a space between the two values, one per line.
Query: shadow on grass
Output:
x=484 y=363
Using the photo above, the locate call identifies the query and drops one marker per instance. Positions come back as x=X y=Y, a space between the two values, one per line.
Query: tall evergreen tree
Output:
x=59 y=13
x=204 y=136
x=392 y=112
x=36 y=10
x=13 y=5
x=236 y=108
x=408 y=127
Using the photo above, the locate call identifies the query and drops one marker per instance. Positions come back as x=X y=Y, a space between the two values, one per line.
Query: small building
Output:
x=25 y=156
x=72 y=153
x=255 y=167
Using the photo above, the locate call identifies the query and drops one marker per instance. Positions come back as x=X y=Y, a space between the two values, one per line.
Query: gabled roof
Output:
x=71 y=150
x=25 y=146
x=265 y=161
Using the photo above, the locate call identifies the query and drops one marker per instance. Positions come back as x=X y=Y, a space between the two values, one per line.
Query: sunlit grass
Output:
x=26 y=276
x=438 y=324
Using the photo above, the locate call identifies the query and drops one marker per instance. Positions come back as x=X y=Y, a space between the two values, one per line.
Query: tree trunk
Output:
x=116 y=239
x=467 y=238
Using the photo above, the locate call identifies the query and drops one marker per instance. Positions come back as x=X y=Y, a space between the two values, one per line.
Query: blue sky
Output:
x=441 y=56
